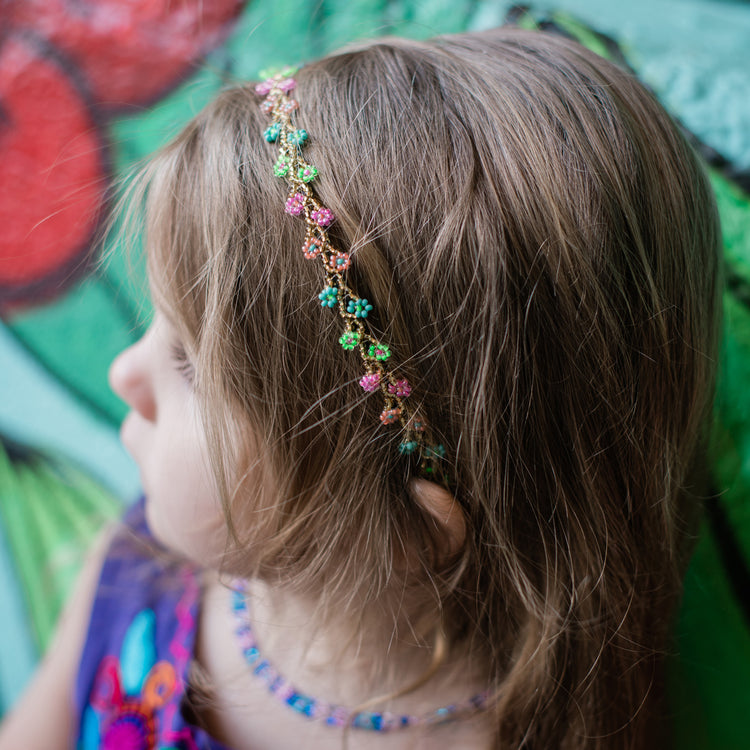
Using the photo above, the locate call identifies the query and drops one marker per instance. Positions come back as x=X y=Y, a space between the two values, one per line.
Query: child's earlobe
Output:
x=444 y=508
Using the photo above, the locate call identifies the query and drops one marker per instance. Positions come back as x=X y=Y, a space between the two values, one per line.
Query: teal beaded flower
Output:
x=379 y=352
x=407 y=447
x=434 y=451
x=349 y=340
x=297 y=137
x=329 y=296
x=271 y=133
x=358 y=307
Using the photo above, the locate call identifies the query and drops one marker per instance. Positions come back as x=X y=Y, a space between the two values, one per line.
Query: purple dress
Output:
x=132 y=678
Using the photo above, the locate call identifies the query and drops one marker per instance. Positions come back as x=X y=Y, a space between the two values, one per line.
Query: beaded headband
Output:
x=353 y=309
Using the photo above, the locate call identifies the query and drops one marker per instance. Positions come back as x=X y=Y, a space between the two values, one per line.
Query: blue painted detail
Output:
x=138 y=652
x=90 y=730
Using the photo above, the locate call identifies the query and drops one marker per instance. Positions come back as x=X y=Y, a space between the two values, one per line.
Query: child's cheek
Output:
x=129 y=434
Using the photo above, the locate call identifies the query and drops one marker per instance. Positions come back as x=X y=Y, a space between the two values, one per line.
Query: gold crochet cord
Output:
x=290 y=165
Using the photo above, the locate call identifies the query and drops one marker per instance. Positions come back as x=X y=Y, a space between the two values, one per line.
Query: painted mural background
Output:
x=89 y=88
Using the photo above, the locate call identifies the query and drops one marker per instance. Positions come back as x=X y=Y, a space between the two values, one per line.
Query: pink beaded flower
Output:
x=311 y=249
x=370 y=382
x=400 y=388
x=339 y=262
x=322 y=216
x=267 y=105
x=264 y=87
x=295 y=204
x=289 y=106
x=389 y=416
x=286 y=85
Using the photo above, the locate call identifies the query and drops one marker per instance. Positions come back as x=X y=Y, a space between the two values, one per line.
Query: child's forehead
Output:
x=160 y=299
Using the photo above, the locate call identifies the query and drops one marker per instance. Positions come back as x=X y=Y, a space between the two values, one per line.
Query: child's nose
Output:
x=130 y=379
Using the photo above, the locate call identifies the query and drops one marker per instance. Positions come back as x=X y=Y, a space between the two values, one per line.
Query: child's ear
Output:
x=444 y=509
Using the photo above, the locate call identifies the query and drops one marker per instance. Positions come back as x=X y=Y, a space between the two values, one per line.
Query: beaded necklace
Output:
x=332 y=714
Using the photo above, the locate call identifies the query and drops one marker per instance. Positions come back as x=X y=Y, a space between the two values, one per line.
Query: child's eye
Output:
x=182 y=363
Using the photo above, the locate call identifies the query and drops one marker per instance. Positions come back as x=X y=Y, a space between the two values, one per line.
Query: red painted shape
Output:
x=130 y=51
x=51 y=171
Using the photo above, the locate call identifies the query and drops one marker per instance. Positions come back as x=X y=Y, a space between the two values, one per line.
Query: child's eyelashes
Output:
x=181 y=362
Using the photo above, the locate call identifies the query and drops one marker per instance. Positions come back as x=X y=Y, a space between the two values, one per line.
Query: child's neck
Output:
x=379 y=656
x=340 y=663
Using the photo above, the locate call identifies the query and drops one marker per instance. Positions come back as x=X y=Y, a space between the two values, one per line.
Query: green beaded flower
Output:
x=271 y=133
x=281 y=167
x=434 y=451
x=271 y=72
x=378 y=351
x=358 y=307
x=329 y=296
x=349 y=340
x=307 y=173
x=297 y=137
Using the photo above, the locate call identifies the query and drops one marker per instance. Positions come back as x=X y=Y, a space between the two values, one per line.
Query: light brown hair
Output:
x=540 y=245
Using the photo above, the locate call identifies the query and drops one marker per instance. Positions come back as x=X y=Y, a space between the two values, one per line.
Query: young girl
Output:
x=419 y=415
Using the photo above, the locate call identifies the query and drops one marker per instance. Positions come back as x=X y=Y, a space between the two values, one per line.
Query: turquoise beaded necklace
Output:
x=332 y=714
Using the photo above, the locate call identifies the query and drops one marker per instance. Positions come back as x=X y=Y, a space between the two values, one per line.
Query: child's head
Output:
x=540 y=247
